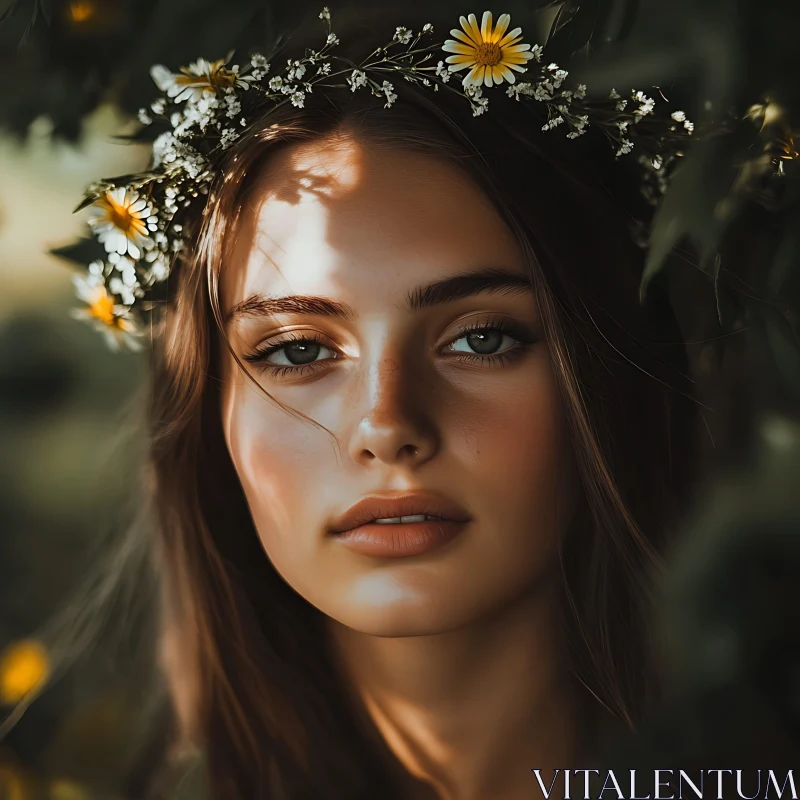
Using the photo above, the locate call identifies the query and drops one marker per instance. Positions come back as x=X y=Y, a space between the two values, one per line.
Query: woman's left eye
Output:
x=484 y=342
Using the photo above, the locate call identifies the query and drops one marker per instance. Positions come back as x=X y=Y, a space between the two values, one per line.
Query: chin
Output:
x=383 y=606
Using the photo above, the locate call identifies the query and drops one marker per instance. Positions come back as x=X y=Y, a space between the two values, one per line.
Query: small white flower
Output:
x=158 y=106
x=357 y=79
x=228 y=137
x=159 y=271
x=332 y=39
x=537 y=51
x=614 y=95
x=658 y=162
x=298 y=99
x=234 y=106
x=443 y=71
x=580 y=92
x=427 y=28
x=553 y=123
x=646 y=106
x=402 y=35
x=678 y=116
x=260 y=62
x=325 y=14
x=296 y=72
x=276 y=83
x=626 y=147
x=689 y=126
x=621 y=105
x=390 y=94
x=144 y=117
x=325 y=69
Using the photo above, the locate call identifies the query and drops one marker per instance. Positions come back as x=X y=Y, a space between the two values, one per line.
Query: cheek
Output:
x=281 y=461
x=512 y=439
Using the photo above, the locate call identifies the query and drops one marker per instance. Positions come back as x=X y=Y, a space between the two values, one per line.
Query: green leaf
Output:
x=84 y=251
x=700 y=203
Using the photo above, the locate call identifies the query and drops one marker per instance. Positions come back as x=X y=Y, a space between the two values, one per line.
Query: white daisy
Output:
x=489 y=53
x=121 y=218
x=198 y=79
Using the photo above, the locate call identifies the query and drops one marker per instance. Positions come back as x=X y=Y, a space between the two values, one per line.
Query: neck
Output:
x=469 y=712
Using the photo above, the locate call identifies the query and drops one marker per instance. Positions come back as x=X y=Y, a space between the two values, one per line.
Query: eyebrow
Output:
x=446 y=290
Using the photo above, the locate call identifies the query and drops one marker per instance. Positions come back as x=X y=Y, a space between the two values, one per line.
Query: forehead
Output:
x=338 y=216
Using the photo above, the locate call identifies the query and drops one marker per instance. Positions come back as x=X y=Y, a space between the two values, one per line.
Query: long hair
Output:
x=252 y=681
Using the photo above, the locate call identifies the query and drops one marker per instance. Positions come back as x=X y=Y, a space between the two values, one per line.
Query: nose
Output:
x=395 y=424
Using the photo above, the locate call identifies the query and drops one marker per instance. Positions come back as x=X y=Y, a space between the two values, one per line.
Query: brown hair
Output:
x=252 y=680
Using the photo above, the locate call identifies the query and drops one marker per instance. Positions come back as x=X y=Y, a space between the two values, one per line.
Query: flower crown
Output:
x=208 y=105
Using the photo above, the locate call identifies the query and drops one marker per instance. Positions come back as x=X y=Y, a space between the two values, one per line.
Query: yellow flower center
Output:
x=222 y=78
x=120 y=217
x=103 y=309
x=217 y=77
x=488 y=54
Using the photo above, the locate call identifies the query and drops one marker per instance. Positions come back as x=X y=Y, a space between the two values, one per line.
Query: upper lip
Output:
x=398 y=505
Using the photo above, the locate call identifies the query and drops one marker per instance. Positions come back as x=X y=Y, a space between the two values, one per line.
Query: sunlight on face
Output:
x=455 y=397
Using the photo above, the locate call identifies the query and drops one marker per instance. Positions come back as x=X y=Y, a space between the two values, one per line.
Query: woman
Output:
x=394 y=314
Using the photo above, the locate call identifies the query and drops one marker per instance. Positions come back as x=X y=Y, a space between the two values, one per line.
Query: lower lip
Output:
x=395 y=540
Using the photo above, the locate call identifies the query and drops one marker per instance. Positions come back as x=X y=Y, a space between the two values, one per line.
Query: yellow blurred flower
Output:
x=63 y=789
x=24 y=667
x=13 y=785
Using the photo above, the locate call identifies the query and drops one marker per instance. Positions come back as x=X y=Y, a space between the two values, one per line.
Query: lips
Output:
x=412 y=504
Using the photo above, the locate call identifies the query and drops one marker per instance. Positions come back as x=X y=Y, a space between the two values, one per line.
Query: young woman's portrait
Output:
x=415 y=446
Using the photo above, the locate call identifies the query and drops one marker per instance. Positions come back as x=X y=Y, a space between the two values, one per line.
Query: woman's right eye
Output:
x=291 y=354
x=299 y=353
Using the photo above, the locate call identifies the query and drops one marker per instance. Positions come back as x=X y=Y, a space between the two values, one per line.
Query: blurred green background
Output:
x=73 y=74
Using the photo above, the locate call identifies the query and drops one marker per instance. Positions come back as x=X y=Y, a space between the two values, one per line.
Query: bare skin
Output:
x=456 y=653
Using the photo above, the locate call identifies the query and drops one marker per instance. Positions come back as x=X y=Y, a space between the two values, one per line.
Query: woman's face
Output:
x=386 y=300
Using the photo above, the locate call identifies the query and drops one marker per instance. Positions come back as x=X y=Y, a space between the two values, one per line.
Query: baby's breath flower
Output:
x=228 y=137
x=626 y=147
x=325 y=68
x=390 y=94
x=260 y=66
x=357 y=79
x=553 y=123
x=402 y=35
x=443 y=72
x=296 y=72
x=581 y=123
x=646 y=106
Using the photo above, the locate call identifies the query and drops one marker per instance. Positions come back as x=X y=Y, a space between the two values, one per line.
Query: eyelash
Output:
x=524 y=342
